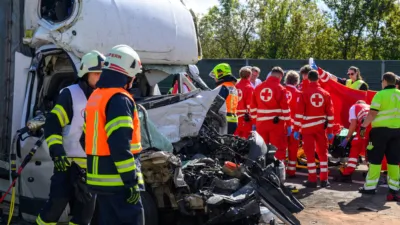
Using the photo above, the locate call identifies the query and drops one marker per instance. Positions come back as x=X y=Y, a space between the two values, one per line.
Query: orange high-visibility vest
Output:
x=96 y=133
x=231 y=102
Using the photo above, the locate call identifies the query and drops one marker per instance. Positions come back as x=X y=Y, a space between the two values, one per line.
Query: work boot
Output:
x=393 y=196
x=309 y=184
x=368 y=192
x=325 y=183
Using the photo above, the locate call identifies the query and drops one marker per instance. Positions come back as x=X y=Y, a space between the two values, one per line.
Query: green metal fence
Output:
x=371 y=71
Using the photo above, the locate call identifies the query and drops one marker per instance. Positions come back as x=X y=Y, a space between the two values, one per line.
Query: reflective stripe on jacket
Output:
x=107 y=172
x=231 y=102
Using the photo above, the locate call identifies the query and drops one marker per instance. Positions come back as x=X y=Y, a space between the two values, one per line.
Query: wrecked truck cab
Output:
x=59 y=33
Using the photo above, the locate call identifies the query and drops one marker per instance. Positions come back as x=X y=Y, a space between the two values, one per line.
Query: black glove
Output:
x=246 y=117
x=61 y=163
x=78 y=176
x=275 y=120
x=133 y=196
x=362 y=131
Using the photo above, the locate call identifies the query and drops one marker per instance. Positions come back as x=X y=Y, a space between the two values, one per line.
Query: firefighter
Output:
x=292 y=80
x=357 y=114
x=245 y=94
x=384 y=117
x=224 y=78
x=63 y=129
x=314 y=114
x=112 y=140
x=271 y=113
x=304 y=75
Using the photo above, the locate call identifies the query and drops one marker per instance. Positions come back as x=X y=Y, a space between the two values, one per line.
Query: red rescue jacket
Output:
x=269 y=102
x=314 y=109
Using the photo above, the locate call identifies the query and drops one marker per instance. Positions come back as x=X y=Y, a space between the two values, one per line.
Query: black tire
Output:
x=150 y=209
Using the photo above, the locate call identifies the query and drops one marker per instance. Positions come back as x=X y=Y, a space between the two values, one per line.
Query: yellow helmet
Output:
x=91 y=62
x=222 y=70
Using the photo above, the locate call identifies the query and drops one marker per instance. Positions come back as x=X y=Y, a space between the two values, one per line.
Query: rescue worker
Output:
x=271 y=113
x=357 y=114
x=63 y=130
x=113 y=141
x=245 y=95
x=314 y=114
x=224 y=78
x=255 y=73
x=384 y=117
x=304 y=77
x=292 y=80
x=355 y=80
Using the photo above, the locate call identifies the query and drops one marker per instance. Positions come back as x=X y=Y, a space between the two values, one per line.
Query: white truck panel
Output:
x=161 y=31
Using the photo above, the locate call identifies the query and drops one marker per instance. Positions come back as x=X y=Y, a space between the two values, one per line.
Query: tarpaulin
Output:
x=343 y=97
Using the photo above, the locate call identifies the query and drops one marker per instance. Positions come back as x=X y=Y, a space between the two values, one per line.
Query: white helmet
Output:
x=91 y=62
x=123 y=59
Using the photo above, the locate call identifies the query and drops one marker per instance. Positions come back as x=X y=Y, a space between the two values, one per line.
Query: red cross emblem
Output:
x=266 y=94
x=289 y=96
x=317 y=100
x=240 y=94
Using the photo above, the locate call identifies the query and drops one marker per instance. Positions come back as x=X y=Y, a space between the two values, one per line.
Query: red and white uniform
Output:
x=314 y=109
x=269 y=103
x=293 y=145
x=245 y=93
x=358 y=145
x=303 y=85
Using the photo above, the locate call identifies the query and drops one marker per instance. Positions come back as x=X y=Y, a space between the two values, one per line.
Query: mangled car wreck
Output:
x=214 y=178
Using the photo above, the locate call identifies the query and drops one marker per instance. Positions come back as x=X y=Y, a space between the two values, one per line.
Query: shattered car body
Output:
x=193 y=182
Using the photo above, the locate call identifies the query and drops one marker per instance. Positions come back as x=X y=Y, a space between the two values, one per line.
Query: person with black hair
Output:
x=271 y=112
x=314 y=114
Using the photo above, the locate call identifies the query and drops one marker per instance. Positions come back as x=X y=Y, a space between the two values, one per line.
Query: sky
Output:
x=201 y=6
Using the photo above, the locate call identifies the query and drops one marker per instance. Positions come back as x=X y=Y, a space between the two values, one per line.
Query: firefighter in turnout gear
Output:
x=384 y=117
x=223 y=76
x=113 y=142
x=271 y=112
x=245 y=93
x=314 y=114
x=63 y=130
x=357 y=114
x=291 y=81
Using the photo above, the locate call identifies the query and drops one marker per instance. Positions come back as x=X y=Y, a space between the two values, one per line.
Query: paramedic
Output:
x=357 y=114
x=384 y=116
x=245 y=94
x=63 y=130
x=314 y=114
x=291 y=80
x=270 y=111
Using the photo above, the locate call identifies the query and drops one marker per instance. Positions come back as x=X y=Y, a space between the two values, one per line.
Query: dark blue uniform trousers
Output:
x=61 y=193
x=115 y=210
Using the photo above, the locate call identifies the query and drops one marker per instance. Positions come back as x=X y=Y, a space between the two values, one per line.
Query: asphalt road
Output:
x=342 y=204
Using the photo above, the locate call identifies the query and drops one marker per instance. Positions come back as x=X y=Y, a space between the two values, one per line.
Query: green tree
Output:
x=227 y=30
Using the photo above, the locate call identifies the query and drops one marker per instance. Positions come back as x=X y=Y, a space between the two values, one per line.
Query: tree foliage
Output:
x=298 y=29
